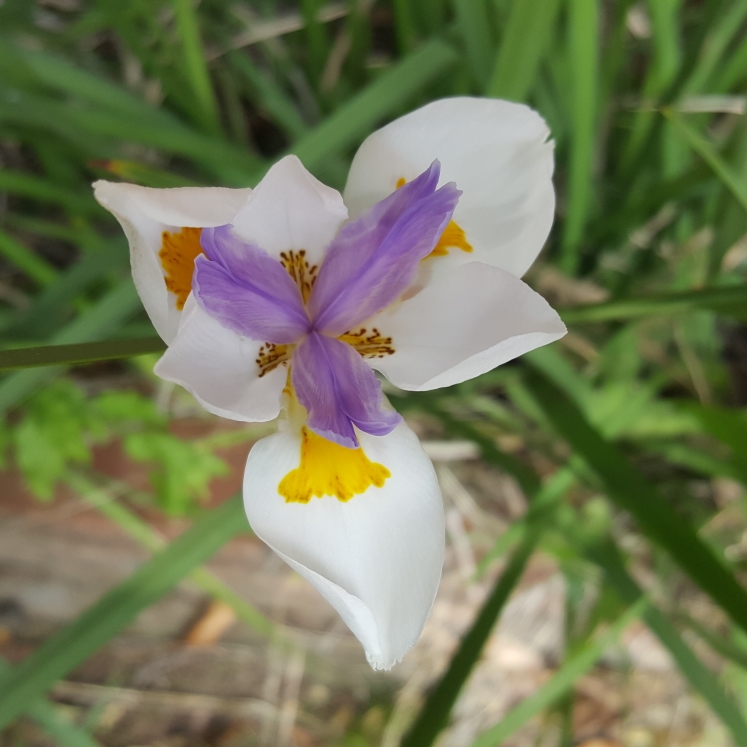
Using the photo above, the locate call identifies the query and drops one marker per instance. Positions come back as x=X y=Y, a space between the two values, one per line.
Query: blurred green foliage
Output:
x=647 y=260
x=60 y=425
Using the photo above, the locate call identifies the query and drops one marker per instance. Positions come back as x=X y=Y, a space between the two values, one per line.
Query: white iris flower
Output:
x=288 y=296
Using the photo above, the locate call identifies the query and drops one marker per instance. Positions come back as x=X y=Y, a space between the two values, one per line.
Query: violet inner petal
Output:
x=339 y=391
x=247 y=290
x=374 y=259
x=370 y=263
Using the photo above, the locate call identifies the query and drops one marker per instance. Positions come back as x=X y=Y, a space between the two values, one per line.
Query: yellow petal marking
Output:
x=368 y=344
x=330 y=469
x=178 y=253
x=452 y=237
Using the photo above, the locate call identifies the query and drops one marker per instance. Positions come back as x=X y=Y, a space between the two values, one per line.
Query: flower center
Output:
x=330 y=469
x=452 y=237
x=177 y=254
x=368 y=344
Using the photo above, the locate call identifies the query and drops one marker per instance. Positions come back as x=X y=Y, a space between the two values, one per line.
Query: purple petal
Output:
x=339 y=391
x=374 y=259
x=247 y=290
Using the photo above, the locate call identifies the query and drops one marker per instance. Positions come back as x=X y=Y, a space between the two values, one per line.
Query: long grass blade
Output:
x=353 y=121
x=560 y=682
x=435 y=713
x=474 y=25
x=630 y=490
x=141 y=531
x=52 y=307
x=38 y=269
x=67 y=649
x=733 y=182
x=714 y=47
x=269 y=97
x=524 y=44
x=195 y=67
x=583 y=55
x=44 y=190
x=43 y=712
x=115 y=308
x=725 y=299
x=700 y=678
x=404 y=25
x=75 y=355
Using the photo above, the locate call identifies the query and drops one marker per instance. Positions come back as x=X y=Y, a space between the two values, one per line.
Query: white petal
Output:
x=219 y=368
x=376 y=558
x=498 y=154
x=291 y=210
x=463 y=325
x=144 y=214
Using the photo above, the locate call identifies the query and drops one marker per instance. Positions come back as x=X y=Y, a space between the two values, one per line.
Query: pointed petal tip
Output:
x=380 y=664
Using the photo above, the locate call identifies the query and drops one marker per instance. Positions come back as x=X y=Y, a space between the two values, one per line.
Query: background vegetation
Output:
x=634 y=424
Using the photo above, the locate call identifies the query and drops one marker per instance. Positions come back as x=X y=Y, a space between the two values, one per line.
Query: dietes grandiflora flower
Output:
x=287 y=297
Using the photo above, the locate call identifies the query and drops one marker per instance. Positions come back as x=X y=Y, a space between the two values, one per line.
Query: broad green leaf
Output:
x=100 y=623
x=631 y=491
x=575 y=666
x=525 y=42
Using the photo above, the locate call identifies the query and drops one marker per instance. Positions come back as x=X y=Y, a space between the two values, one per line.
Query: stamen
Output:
x=271 y=356
x=303 y=274
x=369 y=345
x=328 y=469
x=177 y=254
x=452 y=237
